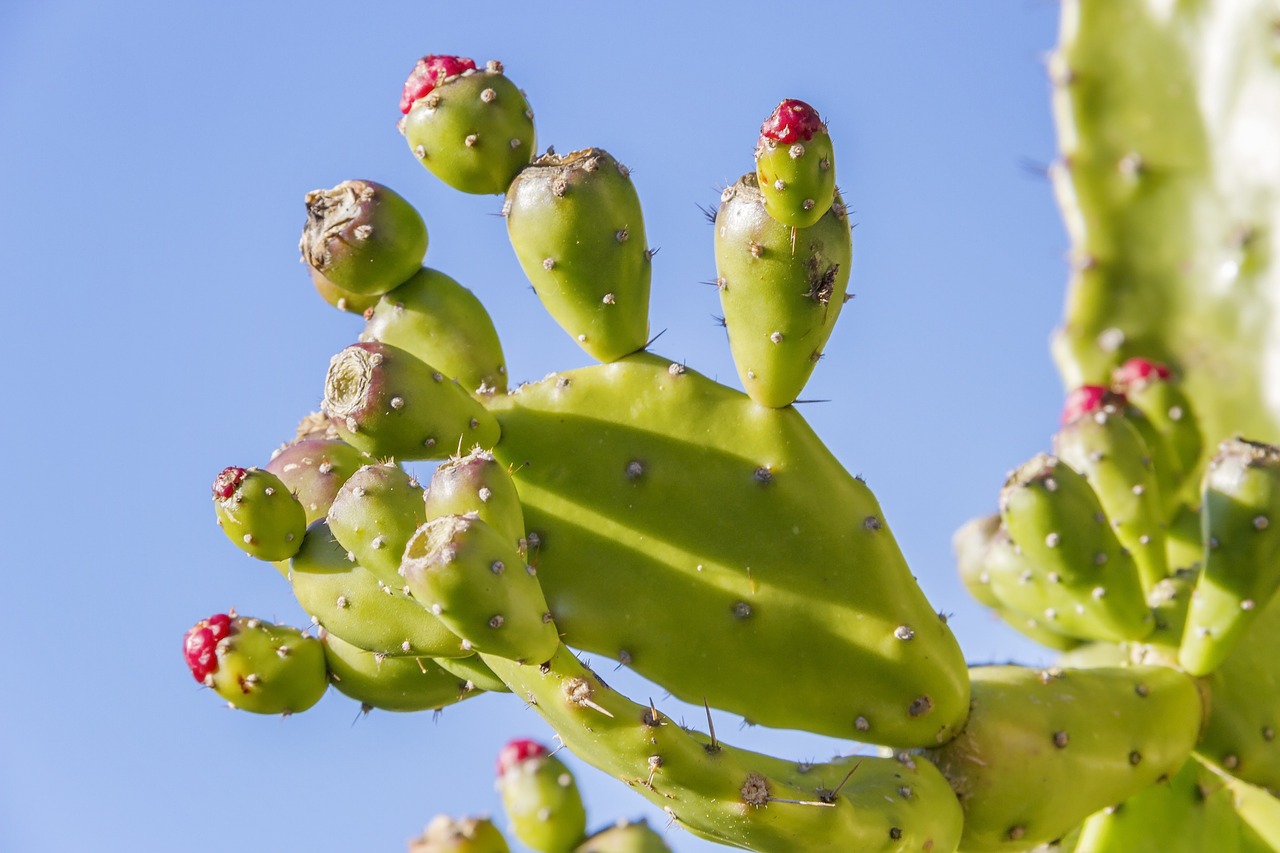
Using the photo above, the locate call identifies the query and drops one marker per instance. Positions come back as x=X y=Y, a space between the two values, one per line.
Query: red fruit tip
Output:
x=200 y=645
x=517 y=752
x=226 y=483
x=431 y=71
x=792 y=121
x=1139 y=371
x=1088 y=399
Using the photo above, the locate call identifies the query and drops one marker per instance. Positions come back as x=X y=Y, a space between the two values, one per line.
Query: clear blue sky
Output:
x=158 y=327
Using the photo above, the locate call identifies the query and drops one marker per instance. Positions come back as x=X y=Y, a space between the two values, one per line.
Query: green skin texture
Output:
x=1260 y=812
x=798 y=568
x=1168 y=187
x=389 y=404
x=577 y=229
x=473 y=670
x=468 y=835
x=374 y=515
x=314 y=470
x=262 y=517
x=779 y=305
x=477 y=483
x=442 y=323
x=807 y=171
x=543 y=806
x=391 y=683
x=1110 y=453
x=348 y=601
x=702 y=788
x=1076 y=562
x=363 y=237
x=269 y=669
x=475 y=580
x=1240 y=515
x=437 y=128
x=341 y=298
x=1019 y=787
x=1165 y=405
x=625 y=837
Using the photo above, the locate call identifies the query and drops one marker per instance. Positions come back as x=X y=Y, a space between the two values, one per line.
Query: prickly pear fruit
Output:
x=1244 y=706
x=467 y=835
x=362 y=237
x=473 y=671
x=795 y=165
x=1153 y=389
x=341 y=298
x=540 y=797
x=373 y=516
x=347 y=600
x=1073 y=556
x=258 y=513
x=474 y=579
x=314 y=469
x=388 y=403
x=1111 y=454
x=625 y=836
x=477 y=483
x=391 y=683
x=696 y=513
x=256 y=666
x=577 y=229
x=1033 y=737
x=473 y=129
x=443 y=324
x=1240 y=514
x=780 y=296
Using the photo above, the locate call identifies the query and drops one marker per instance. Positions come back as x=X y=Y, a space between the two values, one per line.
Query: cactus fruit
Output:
x=540 y=797
x=471 y=128
x=1152 y=388
x=468 y=835
x=781 y=290
x=373 y=516
x=443 y=324
x=1241 y=512
x=391 y=683
x=577 y=229
x=477 y=483
x=314 y=469
x=625 y=837
x=795 y=165
x=362 y=237
x=256 y=666
x=388 y=403
x=341 y=298
x=258 y=513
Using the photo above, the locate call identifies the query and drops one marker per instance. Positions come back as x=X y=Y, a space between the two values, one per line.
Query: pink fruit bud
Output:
x=793 y=121
x=200 y=645
x=226 y=483
x=1085 y=400
x=430 y=72
x=517 y=752
x=1139 y=371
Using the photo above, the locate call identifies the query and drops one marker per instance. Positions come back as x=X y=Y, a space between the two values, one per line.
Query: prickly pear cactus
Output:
x=705 y=537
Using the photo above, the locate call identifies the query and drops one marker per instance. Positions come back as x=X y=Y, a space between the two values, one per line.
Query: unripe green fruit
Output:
x=362 y=237
x=258 y=513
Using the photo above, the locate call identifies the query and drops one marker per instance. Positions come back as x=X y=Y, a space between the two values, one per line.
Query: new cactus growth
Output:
x=708 y=540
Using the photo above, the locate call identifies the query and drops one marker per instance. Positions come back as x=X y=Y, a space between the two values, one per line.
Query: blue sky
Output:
x=159 y=327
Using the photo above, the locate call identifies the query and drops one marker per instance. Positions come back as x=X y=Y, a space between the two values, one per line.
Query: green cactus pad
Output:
x=388 y=683
x=1260 y=811
x=660 y=504
x=1074 y=559
x=474 y=132
x=477 y=582
x=1170 y=188
x=477 y=483
x=314 y=470
x=362 y=237
x=388 y=403
x=541 y=798
x=781 y=290
x=577 y=229
x=348 y=601
x=625 y=836
x=258 y=513
x=1111 y=454
x=467 y=835
x=1241 y=532
x=1042 y=750
x=443 y=324
x=373 y=516
x=260 y=667
x=795 y=165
